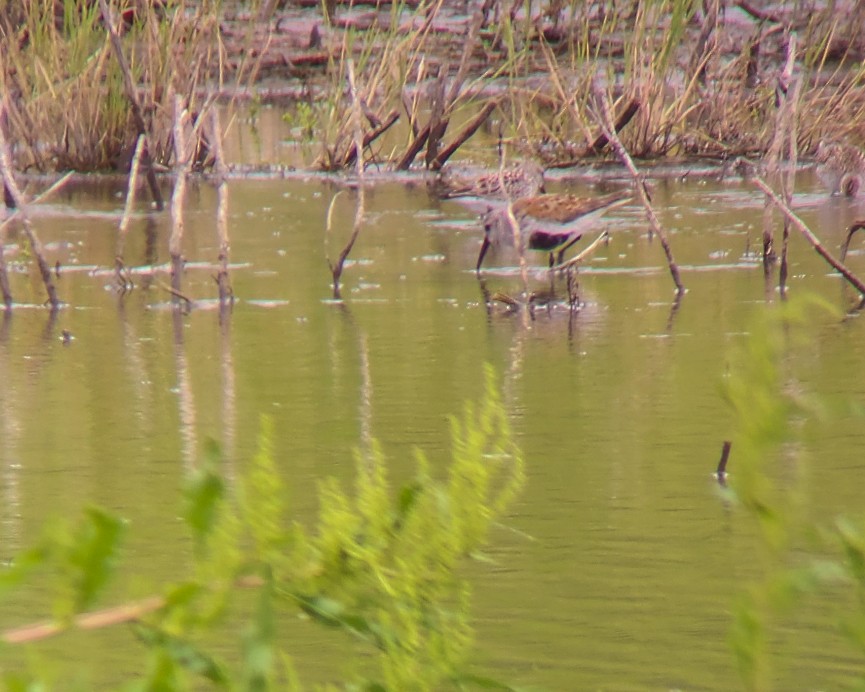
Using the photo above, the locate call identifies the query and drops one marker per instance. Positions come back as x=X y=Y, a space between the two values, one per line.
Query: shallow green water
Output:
x=619 y=564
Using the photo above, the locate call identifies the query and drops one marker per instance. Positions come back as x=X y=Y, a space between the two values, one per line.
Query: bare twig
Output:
x=4 y=275
x=96 y=619
x=336 y=269
x=414 y=148
x=750 y=169
x=624 y=118
x=370 y=137
x=100 y=619
x=123 y=227
x=32 y=237
x=605 y=121
x=470 y=128
x=182 y=162
x=222 y=279
x=41 y=197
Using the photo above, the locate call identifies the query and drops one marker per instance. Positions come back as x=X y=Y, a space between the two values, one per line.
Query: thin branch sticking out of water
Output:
x=175 y=240
x=226 y=295
x=605 y=121
x=750 y=171
x=336 y=269
x=123 y=281
x=33 y=239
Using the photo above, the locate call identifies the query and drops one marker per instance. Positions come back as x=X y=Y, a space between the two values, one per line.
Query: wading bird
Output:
x=841 y=167
x=546 y=223
x=524 y=179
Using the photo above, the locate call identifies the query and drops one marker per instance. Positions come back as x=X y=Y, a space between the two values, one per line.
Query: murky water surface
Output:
x=619 y=565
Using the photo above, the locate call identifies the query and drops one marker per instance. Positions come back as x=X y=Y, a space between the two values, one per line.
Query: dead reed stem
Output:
x=96 y=619
x=605 y=121
x=41 y=197
x=750 y=171
x=100 y=619
x=370 y=137
x=123 y=227
x=336 y=269
x=4 y=274
x=181 y=157
x=624 y=118
x=131 y=94
x=4 y=278
x=788 y=90
x=226 y=295
x=32 y=237
x=515 y=227
x=779 y=149
x=463 y=135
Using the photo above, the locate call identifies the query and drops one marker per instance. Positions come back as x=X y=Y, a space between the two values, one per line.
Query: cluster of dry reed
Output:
x=692 y=78
x=67 y=94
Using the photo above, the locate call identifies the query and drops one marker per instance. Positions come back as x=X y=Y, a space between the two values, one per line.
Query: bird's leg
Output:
x=566 y=246
x=484 y=248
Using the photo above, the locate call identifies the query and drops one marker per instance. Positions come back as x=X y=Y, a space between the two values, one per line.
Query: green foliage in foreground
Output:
x=381 y=567
x=769 y=408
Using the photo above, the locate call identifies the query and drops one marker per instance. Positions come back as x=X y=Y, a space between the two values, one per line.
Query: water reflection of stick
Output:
x=33 y=239
x=605 y=121
x=750 y=169
x=185 y=396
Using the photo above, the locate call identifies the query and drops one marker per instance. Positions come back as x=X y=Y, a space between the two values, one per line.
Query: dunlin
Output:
x=841 y=167
x=524 y=179
x=547 y=222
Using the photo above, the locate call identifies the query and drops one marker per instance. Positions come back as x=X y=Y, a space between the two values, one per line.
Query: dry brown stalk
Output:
x=370 y=137
x=222 y=279
x=4 y=276
x=751 y=172
x=463 y=135
x=605 y=121
x=106 y=617
x=336 y=268
x=32 y=237
x=787 y=93
x=414 y=147
x=41 y=197
x=132 y=186
x=132 y=95
x=624 y=118
x=182 y=160
x=86 y=621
